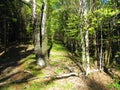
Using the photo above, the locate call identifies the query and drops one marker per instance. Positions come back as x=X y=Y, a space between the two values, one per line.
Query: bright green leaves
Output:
x=118 y=22
x=72 y=26
x=97 y=17
x=107 y=12
x=91 y=30
x=55 y=4
x=26 y=11
x=29 y=28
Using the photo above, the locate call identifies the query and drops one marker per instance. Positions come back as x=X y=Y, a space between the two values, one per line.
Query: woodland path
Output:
x=59 y=63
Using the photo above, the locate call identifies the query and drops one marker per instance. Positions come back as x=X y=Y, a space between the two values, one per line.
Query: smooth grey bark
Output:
x=43 y=35
x=40 y=35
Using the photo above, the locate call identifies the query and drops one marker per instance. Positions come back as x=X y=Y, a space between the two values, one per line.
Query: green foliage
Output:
x=97 y=17
x=107 y=12
x=58 y=47
x=59 y=70
x=40 y=86
x=7 y=87
x=49 y=85
x=72 y=29
x=117 y=54
x=115 y=85
x=14 y=19
x=1 y=5
x=30 y=65
x=55 y=4
x=29 y=28
x=117 y=67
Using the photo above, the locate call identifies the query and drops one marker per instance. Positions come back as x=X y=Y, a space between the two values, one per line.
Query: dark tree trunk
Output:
x=5 y=36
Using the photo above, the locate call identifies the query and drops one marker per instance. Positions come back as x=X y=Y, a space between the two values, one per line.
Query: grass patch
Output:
x=50 y=85
x=59 y=70
x=42 y=85
x=58 y=47
x=54 y=63
x=58 y=61
x=58 y=57
x=66 y=86
x=115 y=85
x=6 y=87
x=117 y=67
x=31 y=65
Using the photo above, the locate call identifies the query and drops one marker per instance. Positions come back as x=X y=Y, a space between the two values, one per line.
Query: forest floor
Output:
x=18 y=71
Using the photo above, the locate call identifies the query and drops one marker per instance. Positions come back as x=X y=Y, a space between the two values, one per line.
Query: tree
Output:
x=40 y=34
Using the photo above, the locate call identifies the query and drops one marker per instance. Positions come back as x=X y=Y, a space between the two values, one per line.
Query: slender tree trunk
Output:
x=83 y=46
x=95 y=44
x=101 y=48
x=110 y=43
x=86 y=37
x=5 y=36
x=81 y=9
x=87 y=52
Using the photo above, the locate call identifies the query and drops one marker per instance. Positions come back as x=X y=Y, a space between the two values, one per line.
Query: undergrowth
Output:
x=115 y=85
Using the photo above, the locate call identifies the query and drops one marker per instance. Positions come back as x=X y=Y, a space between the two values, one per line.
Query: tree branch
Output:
x=48 y=78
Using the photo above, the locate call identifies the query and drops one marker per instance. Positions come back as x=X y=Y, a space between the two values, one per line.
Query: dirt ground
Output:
x=14 y=70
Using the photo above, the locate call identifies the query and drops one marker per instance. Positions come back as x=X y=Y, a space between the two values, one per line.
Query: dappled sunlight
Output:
x=59 y=45
x=27 y=75
x=12 y=63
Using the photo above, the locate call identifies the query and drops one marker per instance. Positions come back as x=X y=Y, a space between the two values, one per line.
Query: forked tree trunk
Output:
x=43 y=35
x=40 y=35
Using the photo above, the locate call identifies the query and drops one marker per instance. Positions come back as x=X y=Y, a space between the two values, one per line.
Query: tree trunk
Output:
x=40 y=35
x=87 y=52
x=86 y=37
x=83 y=11
x=101 y=48
x=5 y=36
x=82 y=34
x=43 y=34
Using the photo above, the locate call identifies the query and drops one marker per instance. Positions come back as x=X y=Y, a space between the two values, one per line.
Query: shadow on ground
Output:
x=95 y=85
x=11 y=60
x=76 y=61
x=13 y=56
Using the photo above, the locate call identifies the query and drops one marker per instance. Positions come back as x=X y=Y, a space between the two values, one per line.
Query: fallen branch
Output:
x=48 y=78
x=57 y=76
x=67 y=75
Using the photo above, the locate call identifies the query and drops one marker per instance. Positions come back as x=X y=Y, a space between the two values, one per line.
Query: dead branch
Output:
x=67 y=75
x=46 y=77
